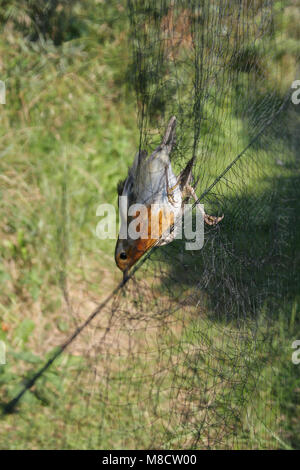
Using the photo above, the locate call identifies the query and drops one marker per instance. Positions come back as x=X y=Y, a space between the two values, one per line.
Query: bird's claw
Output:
x=212 y=219
x=170 y=197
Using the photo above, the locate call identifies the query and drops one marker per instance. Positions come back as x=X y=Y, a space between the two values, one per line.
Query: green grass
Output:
x=68 y=133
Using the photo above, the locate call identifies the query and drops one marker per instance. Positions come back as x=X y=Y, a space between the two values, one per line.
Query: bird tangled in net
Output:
x=182 y=357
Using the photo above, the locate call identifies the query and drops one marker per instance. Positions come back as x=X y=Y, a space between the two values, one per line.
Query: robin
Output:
x=152 y=183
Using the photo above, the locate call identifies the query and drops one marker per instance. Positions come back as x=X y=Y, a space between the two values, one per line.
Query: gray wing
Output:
x=126 y=187
x=149 y=183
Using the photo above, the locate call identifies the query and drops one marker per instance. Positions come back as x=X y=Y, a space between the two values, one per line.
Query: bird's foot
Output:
x=170 y=196
x=212 y=219
x=170 y=190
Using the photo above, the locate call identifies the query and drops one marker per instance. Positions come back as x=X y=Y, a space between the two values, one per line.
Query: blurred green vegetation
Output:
x=68 y=132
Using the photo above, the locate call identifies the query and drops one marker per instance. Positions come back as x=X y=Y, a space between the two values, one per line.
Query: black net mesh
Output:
x=184 y=354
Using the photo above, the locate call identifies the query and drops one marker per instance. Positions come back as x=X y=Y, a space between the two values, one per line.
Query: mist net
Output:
x=184 y=354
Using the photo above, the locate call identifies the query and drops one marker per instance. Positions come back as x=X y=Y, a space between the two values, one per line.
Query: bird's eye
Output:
x=123 y=255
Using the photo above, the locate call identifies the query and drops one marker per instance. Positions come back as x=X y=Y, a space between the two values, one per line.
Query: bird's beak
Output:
x=125 y=275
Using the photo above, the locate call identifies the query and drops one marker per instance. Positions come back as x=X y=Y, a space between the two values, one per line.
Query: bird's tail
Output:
x=169 y=139
x=186 y=174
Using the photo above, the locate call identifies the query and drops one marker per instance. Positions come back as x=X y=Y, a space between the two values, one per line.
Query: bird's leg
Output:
x=170 y=190
x=209 y=219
